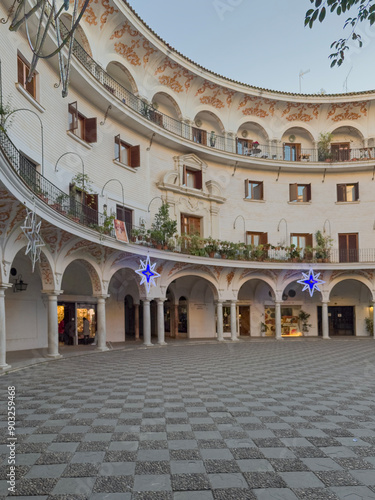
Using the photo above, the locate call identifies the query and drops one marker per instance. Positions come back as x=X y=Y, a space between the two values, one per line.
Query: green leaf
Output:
x=317 y=3
x=333 y=63
x=322 y=14
x=309 y=12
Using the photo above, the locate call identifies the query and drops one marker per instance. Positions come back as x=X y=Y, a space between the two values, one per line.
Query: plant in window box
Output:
x=163 y=226
x=211 y=246
x=227 y=250
x=294 y=253
x=157 y=238
x=303 y=317
x=258 y=253
x=196 y=246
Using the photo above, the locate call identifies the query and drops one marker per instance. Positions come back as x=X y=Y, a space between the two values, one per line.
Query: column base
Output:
x=326 y=338
x=279 y=338
x=235 y=339
x=221 y=340
x=5 y=367
x=148 y=344
x=54 y=356
x=162 y=343
x=102 y=349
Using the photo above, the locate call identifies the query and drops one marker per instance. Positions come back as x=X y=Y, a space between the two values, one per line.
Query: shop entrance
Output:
x=244 y=320
x=70 y=323
x=340 y=320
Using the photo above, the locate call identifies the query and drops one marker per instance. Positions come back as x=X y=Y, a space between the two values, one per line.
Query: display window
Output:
x=289 y=321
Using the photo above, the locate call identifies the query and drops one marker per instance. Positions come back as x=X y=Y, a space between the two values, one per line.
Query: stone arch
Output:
x=349 y=125
x=209 y=119
x=167 y=104
x=79 y=34
x=191 y=272
x=304 y=129
x=246 y=125
x=92 y=271
x=293 y=276
x=344 y=277
x=122 y=75
x=266 y=279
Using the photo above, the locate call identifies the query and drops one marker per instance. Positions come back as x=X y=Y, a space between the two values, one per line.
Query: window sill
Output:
x=29 y=97
x=126 y=167
x=79 y=140
x=253 y=200
x=299 y=202
x=346 y=202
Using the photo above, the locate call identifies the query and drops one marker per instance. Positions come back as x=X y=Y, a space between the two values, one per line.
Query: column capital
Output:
x=160 y=299
x=219 y=302
x=103 y=296
x=233 y=301
x=145 y=301
x=5 y=286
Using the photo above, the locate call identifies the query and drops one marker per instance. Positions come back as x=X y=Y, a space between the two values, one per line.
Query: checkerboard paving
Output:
x=249 y=420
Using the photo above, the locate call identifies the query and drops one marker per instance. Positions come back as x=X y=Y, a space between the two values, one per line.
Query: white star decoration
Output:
x=31 y=230
x=147 y=273
x=311 y=282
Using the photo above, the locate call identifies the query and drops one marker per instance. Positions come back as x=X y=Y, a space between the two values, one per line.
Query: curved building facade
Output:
x=263 y=186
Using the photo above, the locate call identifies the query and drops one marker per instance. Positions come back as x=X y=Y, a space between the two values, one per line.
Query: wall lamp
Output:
x=19 y=285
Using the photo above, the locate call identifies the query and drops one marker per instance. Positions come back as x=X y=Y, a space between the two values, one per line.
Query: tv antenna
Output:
x=301 y=73
x=345 y=85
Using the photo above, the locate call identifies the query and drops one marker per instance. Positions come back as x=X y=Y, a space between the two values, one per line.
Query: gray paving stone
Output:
x=301 y=480
x=152 y=483
x=275 y=494
x=353 y=493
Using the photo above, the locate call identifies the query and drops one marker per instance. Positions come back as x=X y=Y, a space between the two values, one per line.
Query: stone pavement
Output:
x=248 y=420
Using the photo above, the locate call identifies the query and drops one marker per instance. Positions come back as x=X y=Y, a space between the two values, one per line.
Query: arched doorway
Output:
x=256 y=309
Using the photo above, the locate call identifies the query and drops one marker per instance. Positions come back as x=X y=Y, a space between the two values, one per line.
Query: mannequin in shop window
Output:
x=86 y=331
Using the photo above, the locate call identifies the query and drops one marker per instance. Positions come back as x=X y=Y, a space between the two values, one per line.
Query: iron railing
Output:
x=226 y=143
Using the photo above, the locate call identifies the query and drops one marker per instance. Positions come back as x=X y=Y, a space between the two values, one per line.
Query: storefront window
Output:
x=289 y=321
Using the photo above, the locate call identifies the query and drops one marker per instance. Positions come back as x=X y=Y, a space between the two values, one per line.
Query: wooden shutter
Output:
x=20 y=71
x=309 y=240
x=198 y=179
x=308 y=192
x=204 y=137
x=90 y=130
x=353 y=247
x=30 y=86
x=246 y=188
x=261 y=190
x=341 y=193
x=73 y=110
x=263 y=238
x=135 y=156
x=184 y=176
x=356 y=191
x=293 y=192
x=118 y=147
x=343 y=248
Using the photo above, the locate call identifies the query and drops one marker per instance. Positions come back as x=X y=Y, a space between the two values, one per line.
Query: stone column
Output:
x=146 y=323
x=3 y=338
x=53 y=330
x=175 y=325
x=325 y=325
x=233 y=320
x=373 y=318
x=101 y=324
x=136 y=321
x=278 y=320
x=219 y=313
x=161 y=332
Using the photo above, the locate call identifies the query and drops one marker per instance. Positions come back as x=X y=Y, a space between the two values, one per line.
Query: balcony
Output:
x=228 y=144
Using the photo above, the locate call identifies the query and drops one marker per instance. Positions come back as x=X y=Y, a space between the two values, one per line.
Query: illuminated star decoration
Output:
x=147 y=273
x=311 y=282
x=31 y=230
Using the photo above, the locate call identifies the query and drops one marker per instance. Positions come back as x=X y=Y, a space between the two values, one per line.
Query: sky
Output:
x=263 y=43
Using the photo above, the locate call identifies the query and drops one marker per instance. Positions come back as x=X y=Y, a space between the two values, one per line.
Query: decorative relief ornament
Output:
x=31 y=230
x=147 y=273
x=311 y=282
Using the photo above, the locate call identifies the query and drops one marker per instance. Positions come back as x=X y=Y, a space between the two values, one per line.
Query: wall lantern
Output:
x=19 y=285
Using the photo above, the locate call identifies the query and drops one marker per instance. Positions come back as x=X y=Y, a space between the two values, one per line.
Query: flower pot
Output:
x=211 y=255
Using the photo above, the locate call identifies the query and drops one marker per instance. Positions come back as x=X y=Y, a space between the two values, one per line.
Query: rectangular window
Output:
x=244 y=146
x=253 y=190
x=23 y=72
x=256 y=238
x=301 y=240
x=348 y=247
x=127 y=154
x=199 y=136
x=126 y=215
x=348 y=192
x=292 y=151
x=192 y=178
x=300 y=192
x=190 y=225
x=82 y=127
x=340 y=151
x=83 y=206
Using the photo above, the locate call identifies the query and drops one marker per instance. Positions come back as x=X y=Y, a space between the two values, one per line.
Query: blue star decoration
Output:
x=311 y=282
x=147 y=273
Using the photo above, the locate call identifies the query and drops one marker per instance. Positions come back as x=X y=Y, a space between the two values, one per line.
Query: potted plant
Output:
x=196 y=246
x=369 y=325
x=212 y=139
x=163 y=226
x=81 y=183
x=324 y=245
x=59 y=202
x=211 y=246
x=303 y=317
x=107 y=224
x=224 y=249
x=324 y=146
x=294 y=253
